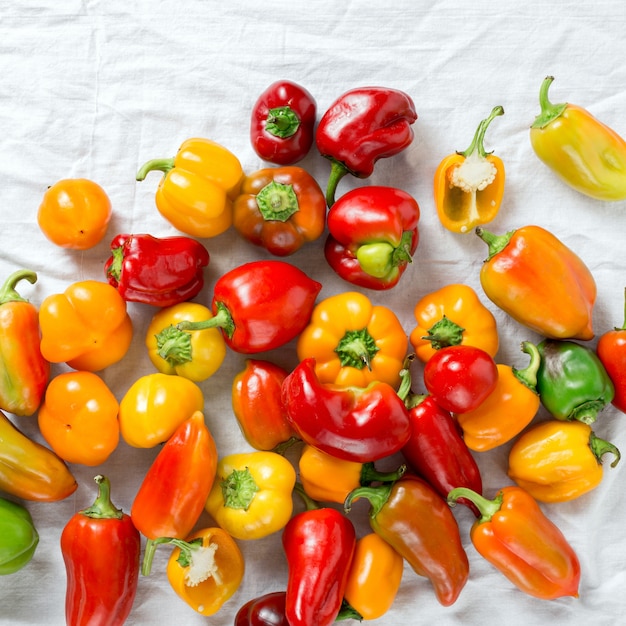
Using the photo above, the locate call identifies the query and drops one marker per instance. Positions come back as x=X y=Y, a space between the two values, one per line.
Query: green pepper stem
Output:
x=623 y=326
x=348 y=612
x=115 y=269
x=152 y=544
x=369 y=474
x=222 y=319
x=377 y=496
x=239 y=489
x=402 y=254
x=282 y=447
x=549 y=111
x=444 y=333
x=587 y=412
x=528 y=375
x=282 y=122
x=309 y=503
x=337 y=172
x=479 y=137
x=357 y=348
x=486 y=508
x=600 y=447
x=161 y=165
x=277 y=202
x=8 y=292
x=103 y=508
x=496 y=243
x=174 y=345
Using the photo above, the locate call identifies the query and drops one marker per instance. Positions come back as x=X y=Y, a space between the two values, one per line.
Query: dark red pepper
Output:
x=157 y=271
x=362 y=126
x=260 y=305
x=372 y=236
x=266 y=610
x=100 y=547
x=283 y=118
x=350 y=423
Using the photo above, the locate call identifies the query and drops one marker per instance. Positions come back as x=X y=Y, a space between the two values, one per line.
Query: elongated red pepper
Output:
x=260 y=305
x=373 y=235
x=161 y=272
x=362 y=126
x=101 y=548
x=361 y=424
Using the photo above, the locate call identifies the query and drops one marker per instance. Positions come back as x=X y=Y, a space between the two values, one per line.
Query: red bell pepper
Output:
x=362 y=126
x=161 y=272
x=260 y=305
x=418 y=523
x=101 y=548
x=361 y=424
x=282 y=122
x=373 y=235
x=266 y=610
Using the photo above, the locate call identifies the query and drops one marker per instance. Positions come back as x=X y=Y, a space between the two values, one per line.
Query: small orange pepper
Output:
x=469 y=185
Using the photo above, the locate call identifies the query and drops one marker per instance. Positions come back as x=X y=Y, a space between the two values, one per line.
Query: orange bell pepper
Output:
x=515 y=536
x=557 y=461
x=87 y=326
x=199 y=185
x=508 y=409
x=451 y=316
x=25 y=372
x=469 y=185
x=540 y=282
x=354 y=342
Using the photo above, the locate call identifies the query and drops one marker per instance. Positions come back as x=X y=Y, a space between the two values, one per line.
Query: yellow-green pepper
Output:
x=18 y=537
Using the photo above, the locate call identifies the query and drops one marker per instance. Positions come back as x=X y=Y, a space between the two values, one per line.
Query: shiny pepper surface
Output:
x=198 y=187
x=516 y=537
x=557 y=461
x=583 y=152
x=18 y=537
x=265 y=610
x=542 y=284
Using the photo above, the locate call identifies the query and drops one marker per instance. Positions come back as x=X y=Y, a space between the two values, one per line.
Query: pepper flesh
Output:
x=540 y=282
x=469 y=185
x=18 y=537
x=583 y=152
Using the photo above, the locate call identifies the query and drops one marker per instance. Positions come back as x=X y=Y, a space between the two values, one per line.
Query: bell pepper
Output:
x=557 y=461
x=451 y=316
x=572 y=382
x=260 y=305
x=251 y=495
x=353 y=341
x=280 y=209
x=206 y=569
x=583 y=152
x=373 y=235
x=373 y=580
x=29 y=470
x=611 y=350
x=515 y=536
x=100 y=548
x=540 y=282
x=258 y=406
x=360 y=424
x=361 y=126
x=265 y=610
x=413 y=519
x=174 y=490
x=435 y=449
x=156 y=271
x=326 y=478
x=195 y=355
x=18 y=537
x=319 y=543
x=87 y=326
x=469 y=185
x=25 y=372
x=79 y=418
x=154 y=406
x=282 y=123
x=198 y=187
x=508 y=409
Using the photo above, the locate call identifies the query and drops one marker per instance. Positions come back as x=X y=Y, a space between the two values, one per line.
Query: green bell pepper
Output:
x=572 y=382
x=18 y=537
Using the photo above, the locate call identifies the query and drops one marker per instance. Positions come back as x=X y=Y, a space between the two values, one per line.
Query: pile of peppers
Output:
x=362 y=391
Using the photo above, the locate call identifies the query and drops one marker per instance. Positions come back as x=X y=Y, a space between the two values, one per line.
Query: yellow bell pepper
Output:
x=195 y=354
x=354 y=342
x=557 y=461
x=451 y=316
x=198 y=188
x=154 y=406
x=251 y=495
x=206 y=569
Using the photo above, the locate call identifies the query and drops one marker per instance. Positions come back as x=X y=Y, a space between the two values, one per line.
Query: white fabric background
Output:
x=93 y=89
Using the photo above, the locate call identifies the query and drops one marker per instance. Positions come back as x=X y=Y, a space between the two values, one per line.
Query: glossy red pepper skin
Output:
x=158 y=271
x=362 y=126
x=319 y=545
x=266 y=610
x=437 y=452
x=350 y=423
x=373 y=234
x=101 y=548
x=611 y=350
x=282 y=123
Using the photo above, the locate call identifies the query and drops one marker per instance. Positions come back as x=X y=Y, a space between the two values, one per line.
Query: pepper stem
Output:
x=549 y=111
x=239 y=489
x=528 y=376
x=623 y=326
x=161 y=165
x=8 y=292
x=282 y=122
x=496 y=243
x=477 y=144
x=277 y=202
x=222 y=319
x=444 y=333
x=174 y=345
x=486 y=508
x=587 y=412
x=348 y=612
x=600 y=447
x=369 y=474
x=337 y=172
x=357 y=348
x=103 y=508
x=309 y=503
x=377 y=497
x=115 y=269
